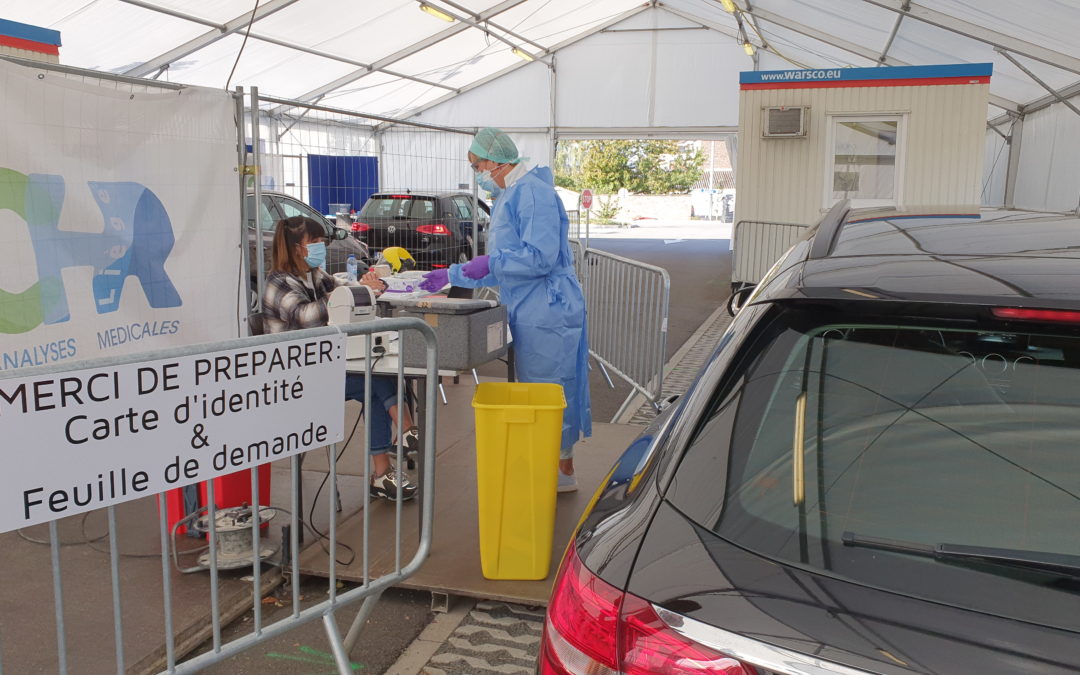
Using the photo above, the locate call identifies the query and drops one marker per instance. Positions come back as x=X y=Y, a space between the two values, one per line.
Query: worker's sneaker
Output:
x=567 y=483
x=386 y=486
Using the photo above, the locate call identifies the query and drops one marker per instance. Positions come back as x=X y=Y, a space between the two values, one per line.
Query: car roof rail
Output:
x=829 y=229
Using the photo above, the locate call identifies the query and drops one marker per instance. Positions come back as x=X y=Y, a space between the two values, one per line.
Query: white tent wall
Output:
x=286 y=142
x=995 y=168
x=1048 y=177
x=536 y=145
x=519 y=99
x=421 y=159
x=652 y=71
x=676 y=78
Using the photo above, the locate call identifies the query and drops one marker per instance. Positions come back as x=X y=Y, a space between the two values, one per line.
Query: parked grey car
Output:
x=275 y=206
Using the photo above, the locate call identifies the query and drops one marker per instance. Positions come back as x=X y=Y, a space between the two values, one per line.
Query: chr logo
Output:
x=136 y=241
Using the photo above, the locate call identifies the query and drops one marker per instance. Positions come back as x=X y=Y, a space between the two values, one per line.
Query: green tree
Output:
x=568 y=165
x=684 y=170
x=566 y=180
x=605 y=166
x=642 y=166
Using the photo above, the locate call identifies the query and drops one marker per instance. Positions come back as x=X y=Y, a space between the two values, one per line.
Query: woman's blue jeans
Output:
x=383 y=396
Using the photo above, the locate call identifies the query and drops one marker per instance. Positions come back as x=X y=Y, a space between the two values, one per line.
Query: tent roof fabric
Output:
x=388 y=57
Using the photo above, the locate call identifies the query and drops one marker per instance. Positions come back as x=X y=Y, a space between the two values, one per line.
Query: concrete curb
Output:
x=413 y=659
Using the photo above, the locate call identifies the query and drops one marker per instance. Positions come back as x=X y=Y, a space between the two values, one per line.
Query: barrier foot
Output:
x=604 y=372
x=441 y=602
x=358 y=623
x=341 y=656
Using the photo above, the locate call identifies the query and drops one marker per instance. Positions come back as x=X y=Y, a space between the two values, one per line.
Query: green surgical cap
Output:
x=496 y=145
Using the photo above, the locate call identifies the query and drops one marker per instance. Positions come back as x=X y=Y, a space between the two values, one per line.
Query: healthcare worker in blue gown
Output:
x=530 y=261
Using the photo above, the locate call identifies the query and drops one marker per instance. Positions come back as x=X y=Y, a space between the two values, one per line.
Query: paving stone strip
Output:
x=495 y=637
x=680 y=375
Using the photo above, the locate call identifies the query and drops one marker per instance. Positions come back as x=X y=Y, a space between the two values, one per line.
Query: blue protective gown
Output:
x=534 y=269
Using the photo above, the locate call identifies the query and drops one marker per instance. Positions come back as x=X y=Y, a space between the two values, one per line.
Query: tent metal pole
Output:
x=1016 y=136
x=1035 y=77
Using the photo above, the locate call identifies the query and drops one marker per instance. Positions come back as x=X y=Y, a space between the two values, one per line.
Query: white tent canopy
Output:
x=387 y=57
x=600 y=68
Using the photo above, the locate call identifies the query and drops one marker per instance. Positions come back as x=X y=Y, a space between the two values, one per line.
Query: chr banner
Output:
x=119 y=217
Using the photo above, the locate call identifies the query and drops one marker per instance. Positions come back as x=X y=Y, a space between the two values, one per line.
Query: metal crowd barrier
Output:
x=575 y=223
x=756 y=245
x=627 y=303
x=368 y=592
x=577 y=250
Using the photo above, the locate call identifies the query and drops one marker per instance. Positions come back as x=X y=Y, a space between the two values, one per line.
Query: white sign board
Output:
x=80 y=440
x=119 y=218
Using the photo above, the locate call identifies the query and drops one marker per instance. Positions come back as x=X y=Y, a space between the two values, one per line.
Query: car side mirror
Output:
x=336 y=233
x=735 y=300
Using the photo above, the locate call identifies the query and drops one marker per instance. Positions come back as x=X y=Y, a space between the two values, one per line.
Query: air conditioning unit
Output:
x=785 y=122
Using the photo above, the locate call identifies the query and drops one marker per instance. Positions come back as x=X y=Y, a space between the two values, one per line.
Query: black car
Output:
x=878 y=471
x=436 y=228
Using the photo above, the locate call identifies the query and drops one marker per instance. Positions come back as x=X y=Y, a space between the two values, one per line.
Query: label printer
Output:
x=356 y=304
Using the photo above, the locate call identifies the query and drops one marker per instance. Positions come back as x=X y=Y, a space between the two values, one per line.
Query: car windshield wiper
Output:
x=1057 y=563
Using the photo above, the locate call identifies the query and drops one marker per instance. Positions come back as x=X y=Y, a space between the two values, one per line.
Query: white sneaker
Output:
x=567 y=483
x=386 y=486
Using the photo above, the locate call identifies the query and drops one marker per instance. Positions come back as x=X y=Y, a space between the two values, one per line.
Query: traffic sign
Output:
x=586 y=198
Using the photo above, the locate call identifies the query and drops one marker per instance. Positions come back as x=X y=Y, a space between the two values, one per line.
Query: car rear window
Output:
x=399 y=207
x=836 y=436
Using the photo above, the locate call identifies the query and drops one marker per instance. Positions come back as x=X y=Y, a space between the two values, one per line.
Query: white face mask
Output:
x=316 y=254
x=486 y=182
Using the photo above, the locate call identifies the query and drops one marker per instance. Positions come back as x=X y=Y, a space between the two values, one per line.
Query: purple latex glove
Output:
x=435 y=280
x=477 y=268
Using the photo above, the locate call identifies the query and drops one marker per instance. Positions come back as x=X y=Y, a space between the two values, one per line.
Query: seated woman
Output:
x=296 y=292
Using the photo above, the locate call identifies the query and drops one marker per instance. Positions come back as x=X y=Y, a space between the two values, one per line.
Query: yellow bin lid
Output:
x=534 y=395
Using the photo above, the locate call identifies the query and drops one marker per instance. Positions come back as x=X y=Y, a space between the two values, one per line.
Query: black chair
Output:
x=255 y=323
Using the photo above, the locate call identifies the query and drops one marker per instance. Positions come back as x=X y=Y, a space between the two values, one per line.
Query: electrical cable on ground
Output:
x=311 y=513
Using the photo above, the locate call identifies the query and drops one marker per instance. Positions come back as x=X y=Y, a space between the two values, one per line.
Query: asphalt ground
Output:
x=398 y=618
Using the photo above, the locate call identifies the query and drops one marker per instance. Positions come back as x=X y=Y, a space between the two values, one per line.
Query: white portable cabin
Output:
x=904 y=136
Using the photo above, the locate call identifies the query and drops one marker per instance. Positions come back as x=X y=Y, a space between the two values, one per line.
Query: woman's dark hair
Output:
x=289 y=233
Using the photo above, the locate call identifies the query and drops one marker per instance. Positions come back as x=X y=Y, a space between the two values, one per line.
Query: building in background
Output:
x=713 y=196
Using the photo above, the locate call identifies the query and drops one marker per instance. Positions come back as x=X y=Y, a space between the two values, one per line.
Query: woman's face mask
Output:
x=316 y=254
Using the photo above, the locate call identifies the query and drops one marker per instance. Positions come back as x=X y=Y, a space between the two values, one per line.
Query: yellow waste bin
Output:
x=518 y=431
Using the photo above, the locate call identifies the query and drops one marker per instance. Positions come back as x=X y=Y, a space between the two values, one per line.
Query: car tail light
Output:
x=650 y=646
x=1051 y=315
x=436 y=265
x=360 y=227
x=437 y=228
x=593 y=628
x=581 y=631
